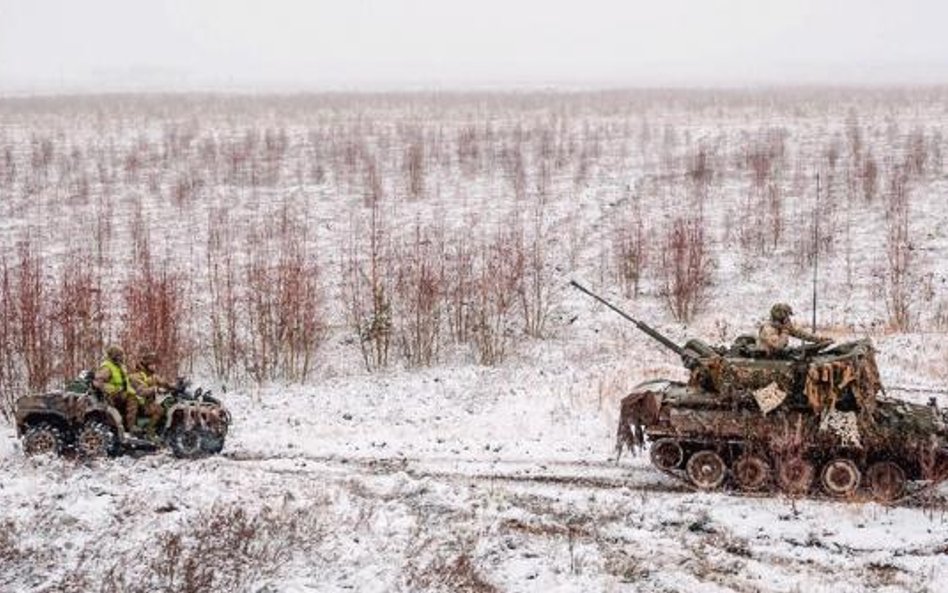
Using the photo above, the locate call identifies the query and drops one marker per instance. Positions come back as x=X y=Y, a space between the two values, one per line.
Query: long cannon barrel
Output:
x=645 y=328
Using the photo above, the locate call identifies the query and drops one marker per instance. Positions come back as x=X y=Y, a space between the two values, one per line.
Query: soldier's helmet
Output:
x=115 y=353
x=148 y=358
x=781 y=312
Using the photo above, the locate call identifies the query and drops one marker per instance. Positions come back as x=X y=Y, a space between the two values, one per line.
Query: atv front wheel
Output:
x=42 y=439
x=211 y=442
x=186 y=443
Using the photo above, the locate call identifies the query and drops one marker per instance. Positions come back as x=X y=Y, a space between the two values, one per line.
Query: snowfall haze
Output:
x=51 y=46
x=376 y=283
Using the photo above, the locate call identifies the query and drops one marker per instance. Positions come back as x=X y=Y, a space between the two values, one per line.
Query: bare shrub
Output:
x=700 y=173
x=515 y=166
x=760 y=161
x=686 y=267
x=368 y=291
x=186 y=188
x=49 y=327
x=284 y=320
x=854 y=135
x=81 y=315
x=419 y=278
x=870 y=178
x=898 y=252
x=937 y=165
x=916 y=153
x=155 y=313
x=226 y=548
x=41 y=158
x=430 y=569
x=237 y=159
x=630 y=252
x=499 y=278
x=265 y=305
x=102 y=228
x=276 y=143
x=33 y=335
x=531 y=267
x=669 y=158
x=583 y=166
x=468 y=152
x=457 y=575
x=18 y=558
x=460 y=282
x=760 y=223
x=414 y=165
x=224 y=299
x=8 y=168
x=373 y=190
x=9 y=371
x=774 y=201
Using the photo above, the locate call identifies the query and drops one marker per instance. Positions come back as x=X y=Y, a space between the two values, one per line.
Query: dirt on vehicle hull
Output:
x=802 y=421
x=716 y=442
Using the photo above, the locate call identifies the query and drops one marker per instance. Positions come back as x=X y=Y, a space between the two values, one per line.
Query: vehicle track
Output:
x=603 y=475
x=572 y=474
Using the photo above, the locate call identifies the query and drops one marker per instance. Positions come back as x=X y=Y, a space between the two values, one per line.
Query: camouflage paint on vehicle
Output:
x=752 y=421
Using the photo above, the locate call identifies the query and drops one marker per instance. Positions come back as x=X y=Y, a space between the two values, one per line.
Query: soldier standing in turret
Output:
x=774 y=335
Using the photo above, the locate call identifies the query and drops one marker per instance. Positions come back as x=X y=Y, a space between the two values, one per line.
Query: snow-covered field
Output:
x=462 y=479
x=460 y=476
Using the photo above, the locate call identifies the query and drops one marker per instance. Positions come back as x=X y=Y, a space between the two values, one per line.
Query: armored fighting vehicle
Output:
x=806 y=421
x=79 y=419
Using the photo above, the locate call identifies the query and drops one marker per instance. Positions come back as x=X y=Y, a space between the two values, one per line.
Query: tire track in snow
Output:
x=574 y=474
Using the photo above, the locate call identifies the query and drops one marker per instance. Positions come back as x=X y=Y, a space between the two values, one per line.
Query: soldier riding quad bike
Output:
x=754 y=422
x=80 y=419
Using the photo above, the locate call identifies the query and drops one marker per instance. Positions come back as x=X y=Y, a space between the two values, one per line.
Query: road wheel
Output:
x=42 y=439
x=886 y=481
x=751 y=472
x=666 y=454
x=186 y=443
x=840 y=477
x=95 y=440
x=795 y=476
x=706 y=470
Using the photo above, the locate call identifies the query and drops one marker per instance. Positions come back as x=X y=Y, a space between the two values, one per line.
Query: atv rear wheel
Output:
x=95 y=440
x=42 y=439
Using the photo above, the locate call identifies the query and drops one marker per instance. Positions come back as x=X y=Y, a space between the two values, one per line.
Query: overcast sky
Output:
x=108 y=45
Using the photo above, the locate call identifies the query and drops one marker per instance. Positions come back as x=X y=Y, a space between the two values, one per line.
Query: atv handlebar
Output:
x=181 y=391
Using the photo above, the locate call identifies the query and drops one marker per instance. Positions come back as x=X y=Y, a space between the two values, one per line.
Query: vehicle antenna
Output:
x=816 y=245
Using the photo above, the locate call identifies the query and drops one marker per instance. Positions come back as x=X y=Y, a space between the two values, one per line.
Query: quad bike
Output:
x=82 y=420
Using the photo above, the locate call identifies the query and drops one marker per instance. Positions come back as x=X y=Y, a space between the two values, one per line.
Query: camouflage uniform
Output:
x=112 y=380
x=774 y=335
x=147 y=384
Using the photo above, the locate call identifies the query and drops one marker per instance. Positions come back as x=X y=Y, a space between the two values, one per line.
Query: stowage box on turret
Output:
x=809 y=419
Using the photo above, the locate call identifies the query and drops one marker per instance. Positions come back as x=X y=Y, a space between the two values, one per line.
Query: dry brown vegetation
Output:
x=223 y=548
x=235 y=233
